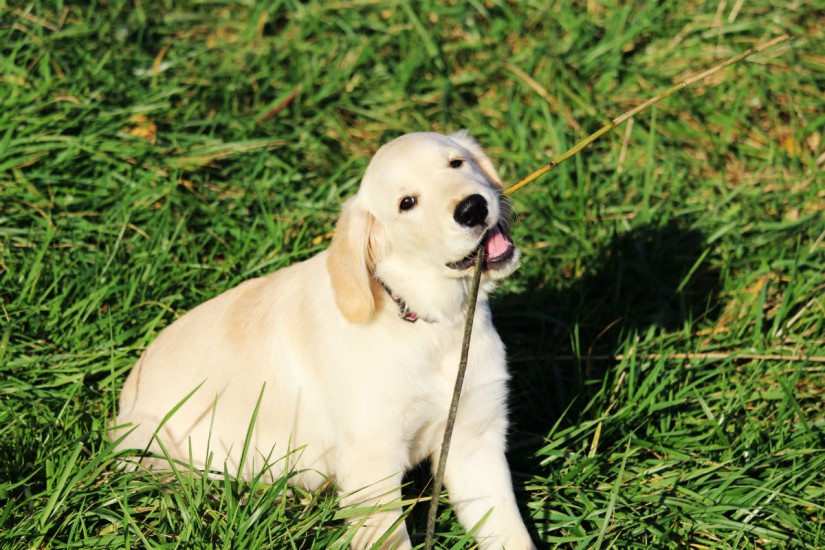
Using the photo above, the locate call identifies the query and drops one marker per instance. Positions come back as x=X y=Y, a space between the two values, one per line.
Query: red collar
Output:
x=404 y=310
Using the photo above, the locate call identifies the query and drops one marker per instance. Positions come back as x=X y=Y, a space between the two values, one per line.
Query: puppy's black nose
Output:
x=471 y=211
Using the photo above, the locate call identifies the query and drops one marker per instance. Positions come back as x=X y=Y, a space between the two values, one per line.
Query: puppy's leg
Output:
x=477 y=478
x=363 y=487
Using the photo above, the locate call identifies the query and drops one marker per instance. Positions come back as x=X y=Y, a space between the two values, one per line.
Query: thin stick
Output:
x=459 y=382
x=638 y=109
x=438 y=481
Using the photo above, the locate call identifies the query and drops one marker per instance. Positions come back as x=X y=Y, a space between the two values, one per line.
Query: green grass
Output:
x=666 y=327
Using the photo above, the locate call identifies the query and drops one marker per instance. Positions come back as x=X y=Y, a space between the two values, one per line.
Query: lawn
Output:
x=666 y=330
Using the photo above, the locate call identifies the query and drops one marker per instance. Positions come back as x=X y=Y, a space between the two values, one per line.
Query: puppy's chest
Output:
x=423 y=423
x=429 y=387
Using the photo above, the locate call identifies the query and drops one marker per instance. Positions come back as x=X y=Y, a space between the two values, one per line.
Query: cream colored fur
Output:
x=349 y=390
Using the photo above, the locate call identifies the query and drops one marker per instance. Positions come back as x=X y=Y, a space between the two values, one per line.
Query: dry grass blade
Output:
x=640 y=108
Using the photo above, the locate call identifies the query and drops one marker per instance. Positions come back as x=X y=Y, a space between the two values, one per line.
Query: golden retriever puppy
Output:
x=350 y=357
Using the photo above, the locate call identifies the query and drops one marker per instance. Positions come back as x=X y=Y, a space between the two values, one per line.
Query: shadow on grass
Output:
x=561 y=337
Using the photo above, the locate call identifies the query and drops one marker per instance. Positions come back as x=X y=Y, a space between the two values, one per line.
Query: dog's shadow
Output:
x=561 y=336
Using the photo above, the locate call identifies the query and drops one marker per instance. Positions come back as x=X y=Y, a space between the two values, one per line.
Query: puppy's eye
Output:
x=407 y=203
x=456 y=163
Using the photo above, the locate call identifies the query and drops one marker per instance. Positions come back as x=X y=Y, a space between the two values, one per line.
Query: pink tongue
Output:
x=497 y=243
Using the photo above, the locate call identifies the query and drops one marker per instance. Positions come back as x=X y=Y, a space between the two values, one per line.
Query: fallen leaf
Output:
x=143 y=128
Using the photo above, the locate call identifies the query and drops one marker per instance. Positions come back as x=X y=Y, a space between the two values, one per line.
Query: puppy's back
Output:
x=211 y=366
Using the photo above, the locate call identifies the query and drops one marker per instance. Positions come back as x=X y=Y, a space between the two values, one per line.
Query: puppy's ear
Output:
x=479 y=157
x=351 y=262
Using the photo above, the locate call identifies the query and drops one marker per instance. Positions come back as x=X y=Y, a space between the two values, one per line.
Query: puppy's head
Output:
x=427 y=201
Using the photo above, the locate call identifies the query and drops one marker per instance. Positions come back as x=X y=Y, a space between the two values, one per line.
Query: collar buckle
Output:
x=408 y=315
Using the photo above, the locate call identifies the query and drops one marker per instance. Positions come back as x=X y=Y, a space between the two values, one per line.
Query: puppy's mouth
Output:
x=498 y=250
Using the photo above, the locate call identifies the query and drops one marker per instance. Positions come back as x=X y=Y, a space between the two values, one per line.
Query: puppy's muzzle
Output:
x=472 y=212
